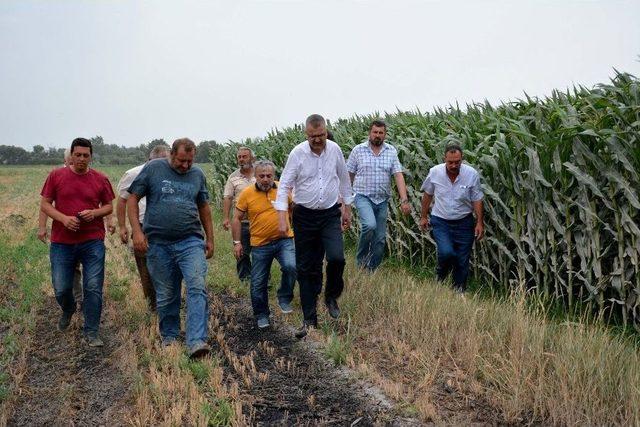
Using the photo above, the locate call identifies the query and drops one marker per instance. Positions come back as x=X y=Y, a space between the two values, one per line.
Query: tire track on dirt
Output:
x=67 y=382
x=283 y=381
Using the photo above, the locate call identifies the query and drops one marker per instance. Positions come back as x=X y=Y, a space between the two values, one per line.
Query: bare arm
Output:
x=424 y=214
x=204 y=211
x=226 y=207
x=479 y=230
x=236 y=230
x=138 y=237
x=405 y=206
x=91 y=214
x=70 y=222
x=121 y=214
x=42 y=226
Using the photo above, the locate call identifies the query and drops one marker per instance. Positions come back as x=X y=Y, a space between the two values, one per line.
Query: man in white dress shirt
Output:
x=455 y=187
x=159 y=151
x=317 y=174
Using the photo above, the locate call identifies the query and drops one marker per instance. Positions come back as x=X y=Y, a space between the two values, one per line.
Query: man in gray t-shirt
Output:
x=173 y=239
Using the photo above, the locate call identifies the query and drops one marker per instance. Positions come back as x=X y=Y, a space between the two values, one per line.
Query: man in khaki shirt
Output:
x=238 y=181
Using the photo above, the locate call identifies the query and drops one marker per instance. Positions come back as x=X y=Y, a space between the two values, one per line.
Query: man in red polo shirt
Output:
x=82 y=197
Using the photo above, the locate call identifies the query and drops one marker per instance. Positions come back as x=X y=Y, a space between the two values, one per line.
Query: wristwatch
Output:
x=237 y=242
x=403 y=201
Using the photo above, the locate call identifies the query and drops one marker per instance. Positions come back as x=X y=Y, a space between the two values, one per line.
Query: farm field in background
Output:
x=561 y=179
x=435 y=356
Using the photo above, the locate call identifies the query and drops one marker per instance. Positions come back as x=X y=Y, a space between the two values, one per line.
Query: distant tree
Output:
x=11 y=155
x=38 y=149
x=204 y=150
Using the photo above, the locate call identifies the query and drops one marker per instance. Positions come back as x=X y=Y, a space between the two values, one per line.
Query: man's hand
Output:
x=424 y=223
x=283 y=225
x=87 y=215
x=208 y=249
x=479 y=231
x=346 y=218
x=71 y=223
x=140 y=244
x=124 y=235
x=43 y=234
x=111 y=227
x=405 y=208
x=226 y=224
x=238 y=250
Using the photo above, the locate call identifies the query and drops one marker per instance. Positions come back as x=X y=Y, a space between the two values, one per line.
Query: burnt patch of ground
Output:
x=67 y=382
x=283 y=381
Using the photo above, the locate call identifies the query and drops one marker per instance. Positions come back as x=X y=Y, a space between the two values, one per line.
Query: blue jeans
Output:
x=168 y=264
x=454 y=240
x=64 y=258
x=373 y=223
x=261 y=258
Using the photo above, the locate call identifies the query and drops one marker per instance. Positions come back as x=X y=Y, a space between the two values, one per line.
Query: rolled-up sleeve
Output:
x=343 y=175
x=396 y=166
x=476 y=192
x=287 y=179
x=352 y=162
x=228 y=189
x=428 y=186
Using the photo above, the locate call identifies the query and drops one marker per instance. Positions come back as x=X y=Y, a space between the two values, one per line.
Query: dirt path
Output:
x=284 y=381
x=67 y=382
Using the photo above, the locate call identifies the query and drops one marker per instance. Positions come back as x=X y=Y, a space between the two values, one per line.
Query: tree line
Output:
x=105 y=154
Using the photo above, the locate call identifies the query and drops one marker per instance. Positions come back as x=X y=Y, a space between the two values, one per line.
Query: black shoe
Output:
x=302 y=332
x=332 y=307
x=65 y=321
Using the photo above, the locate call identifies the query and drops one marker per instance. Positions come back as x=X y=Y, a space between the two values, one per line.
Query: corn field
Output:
x=561 y=181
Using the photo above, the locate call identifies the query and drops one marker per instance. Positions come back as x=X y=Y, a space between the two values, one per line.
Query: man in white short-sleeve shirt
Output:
x=455 y=189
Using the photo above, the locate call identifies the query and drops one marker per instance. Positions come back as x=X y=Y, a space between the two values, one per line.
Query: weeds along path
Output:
x=67 y=382
x=283 y=381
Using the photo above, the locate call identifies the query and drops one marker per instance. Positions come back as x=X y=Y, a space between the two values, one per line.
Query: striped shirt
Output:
x=453 y=200
x=373 y=172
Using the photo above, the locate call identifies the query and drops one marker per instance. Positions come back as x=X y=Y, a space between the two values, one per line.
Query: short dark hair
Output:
x=452 y=148
x=378 y=123
x=188 y=145
x=315 y=120
x=81 y=142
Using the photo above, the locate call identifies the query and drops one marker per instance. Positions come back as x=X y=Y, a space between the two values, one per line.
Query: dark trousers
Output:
x=454 y=240
x=145 y=279
x=243 y=264
x=318 y=233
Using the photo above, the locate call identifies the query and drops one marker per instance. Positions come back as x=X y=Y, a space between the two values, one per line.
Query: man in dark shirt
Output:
x=82 y=197
x=177 y=211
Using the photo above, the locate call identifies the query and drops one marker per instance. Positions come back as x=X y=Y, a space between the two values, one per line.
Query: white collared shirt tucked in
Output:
x=123 y=187
x=453 y=200
x=316 y=180
x=373 y=173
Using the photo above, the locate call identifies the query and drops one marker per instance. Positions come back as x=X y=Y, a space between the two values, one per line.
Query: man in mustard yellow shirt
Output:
x=256 y=203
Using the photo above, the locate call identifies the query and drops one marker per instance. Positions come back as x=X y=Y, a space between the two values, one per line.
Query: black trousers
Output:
x=243 y=264
x=318 y=233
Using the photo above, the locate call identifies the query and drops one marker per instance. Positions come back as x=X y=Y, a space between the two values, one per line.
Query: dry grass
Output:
x=414 y=335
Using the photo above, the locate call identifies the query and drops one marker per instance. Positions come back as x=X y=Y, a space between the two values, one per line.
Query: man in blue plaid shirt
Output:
x=370 y=167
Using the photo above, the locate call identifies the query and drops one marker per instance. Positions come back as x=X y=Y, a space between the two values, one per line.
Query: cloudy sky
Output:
x=132 y=71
